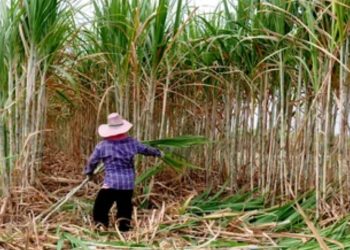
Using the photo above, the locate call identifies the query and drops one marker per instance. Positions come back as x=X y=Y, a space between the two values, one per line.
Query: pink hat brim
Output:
x=106 y=130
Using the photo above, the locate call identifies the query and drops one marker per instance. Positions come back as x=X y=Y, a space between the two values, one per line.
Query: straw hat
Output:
x=116 y=126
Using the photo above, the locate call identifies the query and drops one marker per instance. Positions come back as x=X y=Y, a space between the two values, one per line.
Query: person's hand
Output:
x=90 y=176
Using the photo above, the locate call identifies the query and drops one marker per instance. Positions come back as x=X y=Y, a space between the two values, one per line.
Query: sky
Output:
x=205 y=5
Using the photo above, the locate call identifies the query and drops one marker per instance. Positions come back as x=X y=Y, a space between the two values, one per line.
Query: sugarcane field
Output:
x=174 y=124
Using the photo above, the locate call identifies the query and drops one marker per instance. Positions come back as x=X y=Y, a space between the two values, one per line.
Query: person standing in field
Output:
x=116 y=151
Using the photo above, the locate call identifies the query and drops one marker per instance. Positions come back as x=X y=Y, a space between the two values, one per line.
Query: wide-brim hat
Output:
x=116 y=126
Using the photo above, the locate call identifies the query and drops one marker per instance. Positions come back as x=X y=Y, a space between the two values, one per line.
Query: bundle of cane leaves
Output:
x=152 y=171
x=170 y=158
x=178 y=142
x=177 y=162
x=207 y=202
x=168 y=145
x=285 y=217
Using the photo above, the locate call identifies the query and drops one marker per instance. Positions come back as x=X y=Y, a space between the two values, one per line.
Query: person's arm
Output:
x=149 y=151
x=94 y=159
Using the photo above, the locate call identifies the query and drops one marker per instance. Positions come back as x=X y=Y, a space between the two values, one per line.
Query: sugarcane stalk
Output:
x=28 y=115
x=326 y=150
x=282 y=155
x=3 y=171
x=236 y=150
x=298 y=164
x=39 y=120
x=251 y=143
x=317 y=160
x=164 y=105
x=11 y=143
x=55 y=207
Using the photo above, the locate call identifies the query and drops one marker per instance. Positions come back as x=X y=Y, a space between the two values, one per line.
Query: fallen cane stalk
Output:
x=3 y=208
x=64 y=199
x=48 y=212
x=310 y=225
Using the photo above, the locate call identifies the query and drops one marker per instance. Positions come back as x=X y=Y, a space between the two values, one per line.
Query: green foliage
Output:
x=78 y=243
x=178 y=142
x=227 y=244
x=286 y=216
x=170 y=159
x=114 y=30
x=149 y=173
x=206 y=203
x=47 y=25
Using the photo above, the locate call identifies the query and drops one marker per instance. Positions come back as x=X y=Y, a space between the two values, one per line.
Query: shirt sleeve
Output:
x=146 y=150
x=94 y=159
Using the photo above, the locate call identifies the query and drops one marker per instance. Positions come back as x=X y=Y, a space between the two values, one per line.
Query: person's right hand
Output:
x=90 y=176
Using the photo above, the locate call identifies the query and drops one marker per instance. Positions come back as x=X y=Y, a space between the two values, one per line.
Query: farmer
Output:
x=116 y=151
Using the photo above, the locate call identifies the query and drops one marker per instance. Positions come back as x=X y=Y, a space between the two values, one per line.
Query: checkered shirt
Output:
x=118 y=159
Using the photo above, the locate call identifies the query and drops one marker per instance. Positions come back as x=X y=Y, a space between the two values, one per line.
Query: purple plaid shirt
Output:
x=118 y=159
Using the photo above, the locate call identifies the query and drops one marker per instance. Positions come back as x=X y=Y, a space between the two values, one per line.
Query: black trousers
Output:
x=104 y=201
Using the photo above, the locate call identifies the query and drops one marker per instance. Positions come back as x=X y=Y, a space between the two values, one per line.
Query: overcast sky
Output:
x=206 y=5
